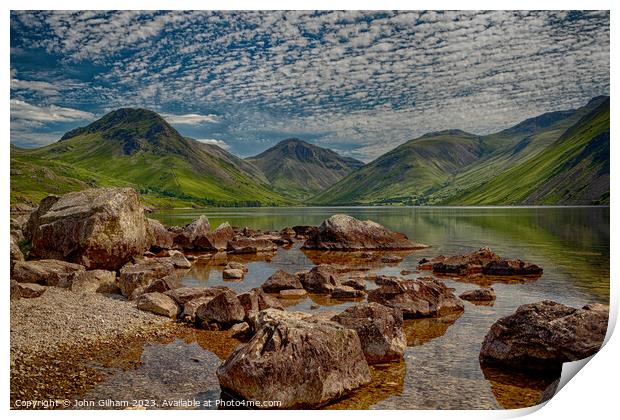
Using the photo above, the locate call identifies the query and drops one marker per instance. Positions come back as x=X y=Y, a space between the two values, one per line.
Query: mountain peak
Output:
x=136 y=128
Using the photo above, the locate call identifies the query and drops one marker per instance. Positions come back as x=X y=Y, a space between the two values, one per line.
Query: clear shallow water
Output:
x=441 y=368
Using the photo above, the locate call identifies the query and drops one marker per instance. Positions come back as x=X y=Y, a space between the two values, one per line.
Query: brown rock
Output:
x=293 y=294
x=26 y=290
x=541 y=336
x=379 y=328
x=97 y=228
x=143 y=273
x=321 y=279
x=182 y=295
x=300 y=363
x=199 y=230
x=190 y=307
x=101 y=281
x=158 y=303
x=511 y=268
x=304 y=232
x=16 y=252
x=216 y=240
x=391 y=259
x=257 y=300
x=46 y=272
x=223 y=310
x=281 y=280
x=345 y=233
x=346 y=292
x=233 y=274
x=485 y=295
x=178 y=259
x=33 y=219
x=424 y=297
x=358 y=283
x=240 y=330
x=161 y=238
x=241 y=245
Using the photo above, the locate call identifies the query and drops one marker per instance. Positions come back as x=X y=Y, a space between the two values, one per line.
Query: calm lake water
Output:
x=440 y=368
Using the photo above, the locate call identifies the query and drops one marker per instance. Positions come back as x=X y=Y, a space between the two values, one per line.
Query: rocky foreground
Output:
x=98 y=250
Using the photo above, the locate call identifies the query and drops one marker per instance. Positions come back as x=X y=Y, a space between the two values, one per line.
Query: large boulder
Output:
x=346 y=233
x=223 y=310
x=379 y=328
x=299 y=362
x=142 y=273
x=160 y=236
x=321 y=279
x=45 y=272
x=420 y=298
x=198 y=230
x=101 y=281
x=158 y=303
x=97 y=228
x=281 y=280
x=541 y=336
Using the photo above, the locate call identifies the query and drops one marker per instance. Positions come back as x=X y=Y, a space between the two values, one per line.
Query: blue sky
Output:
x=360 y=83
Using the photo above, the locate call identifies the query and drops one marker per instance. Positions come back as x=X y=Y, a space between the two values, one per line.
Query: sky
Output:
x=360 y=83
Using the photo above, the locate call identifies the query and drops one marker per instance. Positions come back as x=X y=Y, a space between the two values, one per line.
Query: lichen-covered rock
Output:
x=198 y=230
x=223 y=310
x=142 y=273
x=100 y=228
x=346 y=233
x=158 y=303
x=298 y=362
x=478 y=295
x=379 y=328
x=101 y=281
x=33 y=219
x=321 y=279
x=160 y=236
x=46 y=272
x=424 y=297
x=281 y=280
x=541 y=336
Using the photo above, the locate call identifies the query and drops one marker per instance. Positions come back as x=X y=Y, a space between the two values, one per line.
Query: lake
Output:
x=440 y=369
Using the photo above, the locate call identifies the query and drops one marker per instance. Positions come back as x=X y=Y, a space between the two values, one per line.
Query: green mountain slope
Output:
x=454 y=167
x=299 y=169
x=574 y=169
x=137 y=147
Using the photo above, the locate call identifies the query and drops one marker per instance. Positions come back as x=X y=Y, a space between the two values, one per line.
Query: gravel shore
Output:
x=60 y=339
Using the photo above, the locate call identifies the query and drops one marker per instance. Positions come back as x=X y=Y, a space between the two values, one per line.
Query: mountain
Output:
x=528 y=163
x=138 y=147
x=299 y=170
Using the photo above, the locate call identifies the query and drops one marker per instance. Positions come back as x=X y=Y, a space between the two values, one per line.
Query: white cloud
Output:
x=22 y=110
x=219 y=143
x=190 y=119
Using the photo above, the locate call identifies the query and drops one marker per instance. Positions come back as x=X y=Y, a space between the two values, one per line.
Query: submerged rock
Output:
x=298 y=362
x=424 y=297
x=45 y=272
x=281 y=280
x=97 y=228
x=479 y=295
x=541 y=336
x=345 y=233
x=158 y=303
x=379 y=328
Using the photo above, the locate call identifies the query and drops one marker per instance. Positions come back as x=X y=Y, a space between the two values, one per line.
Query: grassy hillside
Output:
x=457 y=168
x=138 y=148
x=409 y=173
x=299 y=170
x=574 y=169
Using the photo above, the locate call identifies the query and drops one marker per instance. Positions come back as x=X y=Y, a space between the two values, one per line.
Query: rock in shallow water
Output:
x=379 y=328
x=159 y=304
x=224 y=310
x=346 y=233
x=424 y=297
x=97 y=228
x=478 y=295
x=541 y=336
x=281 y=280
x=298 y=362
